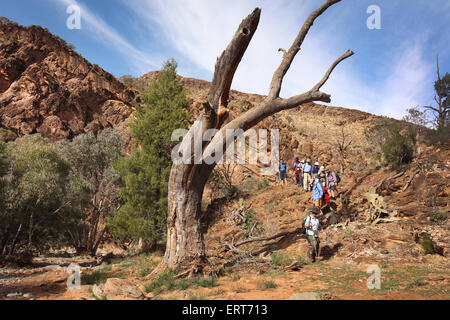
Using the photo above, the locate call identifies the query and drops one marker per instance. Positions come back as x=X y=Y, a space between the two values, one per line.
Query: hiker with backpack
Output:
x=300 y=173
x=315 y=170
x=326 y=197
x=297 y=170
x=311 y=226
x=307 y=178
x=322 y=176
x=332 y=182
x=317 y=193
x=283 y=171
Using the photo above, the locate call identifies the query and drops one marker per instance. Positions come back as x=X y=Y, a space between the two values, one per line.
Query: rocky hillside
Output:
x=47 y=87
x=312 y=130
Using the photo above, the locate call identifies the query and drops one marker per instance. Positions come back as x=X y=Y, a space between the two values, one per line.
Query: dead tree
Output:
x=185 y=248
x=342 y=144
x=443 y=108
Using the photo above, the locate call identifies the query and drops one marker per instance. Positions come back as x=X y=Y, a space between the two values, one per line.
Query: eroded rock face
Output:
x=47 y=88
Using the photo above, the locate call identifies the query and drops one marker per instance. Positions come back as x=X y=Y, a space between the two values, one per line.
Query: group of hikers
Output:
x=323 y=183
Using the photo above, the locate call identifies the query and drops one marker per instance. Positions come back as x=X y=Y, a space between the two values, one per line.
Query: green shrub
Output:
x=427 y=243
x=302 y=260
x=268 y=284
x=398 y=149
x=208 y=282
x=347 y=233
x=235 y=277
x=144 y=272
x=164 y=281
x=437 y=216
x=263 y=184
x=249 y=219
x=183 y=284
x=280 y=259
x=96 y=277
x=415 y=282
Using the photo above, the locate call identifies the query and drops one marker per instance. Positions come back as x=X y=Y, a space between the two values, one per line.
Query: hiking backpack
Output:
x=303 y=225
x=338 y=178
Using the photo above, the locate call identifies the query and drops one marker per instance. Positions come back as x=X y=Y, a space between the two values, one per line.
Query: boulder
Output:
x=14 y=295
x=122 y=289
x=304 y=296
x=53 y=268
x=98 y=291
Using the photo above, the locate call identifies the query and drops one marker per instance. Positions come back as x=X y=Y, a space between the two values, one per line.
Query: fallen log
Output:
x=278 y=235
x=410 y=180
x=376 y=186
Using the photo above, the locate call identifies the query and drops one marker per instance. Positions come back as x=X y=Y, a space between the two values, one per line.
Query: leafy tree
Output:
x=37 y=210
x=90 y=157
x=416 y=116
x=398 y=149
x=136 y=83
x=145 y=173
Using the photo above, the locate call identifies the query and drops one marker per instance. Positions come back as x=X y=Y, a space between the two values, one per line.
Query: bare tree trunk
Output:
x=440 y=113
x=184 y=234
x=4 y=241
x=13 y=245
x=30 y=230
x=185 y=247
x=97 y=243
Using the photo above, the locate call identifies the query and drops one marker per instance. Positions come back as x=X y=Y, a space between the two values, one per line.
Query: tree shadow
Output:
x=281 y=243
x=38 y=288
x=328 y=252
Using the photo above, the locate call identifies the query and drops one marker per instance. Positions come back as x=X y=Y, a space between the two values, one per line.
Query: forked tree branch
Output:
x=288 y=57
x=314 y=92
x=273 y=103
x=319 y=85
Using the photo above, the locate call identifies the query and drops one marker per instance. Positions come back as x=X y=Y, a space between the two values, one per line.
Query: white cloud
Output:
x=96 y=27
x=408 y=84
x=199 y=30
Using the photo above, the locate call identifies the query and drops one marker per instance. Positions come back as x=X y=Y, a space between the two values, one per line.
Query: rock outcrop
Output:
x=121 y=289
x=48 y=88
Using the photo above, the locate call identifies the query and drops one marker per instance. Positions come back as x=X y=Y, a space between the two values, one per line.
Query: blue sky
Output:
x=393 y=69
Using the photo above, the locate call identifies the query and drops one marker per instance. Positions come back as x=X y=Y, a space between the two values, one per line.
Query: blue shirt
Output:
x=282 y=167
x=317 y=191
x=307 y=168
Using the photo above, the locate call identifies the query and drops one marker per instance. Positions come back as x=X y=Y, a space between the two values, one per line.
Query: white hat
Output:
x=322 y=167
x=303 y=161
x=316 y=164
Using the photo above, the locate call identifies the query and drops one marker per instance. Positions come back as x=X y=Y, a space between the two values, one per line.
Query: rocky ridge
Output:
x=48 y=88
